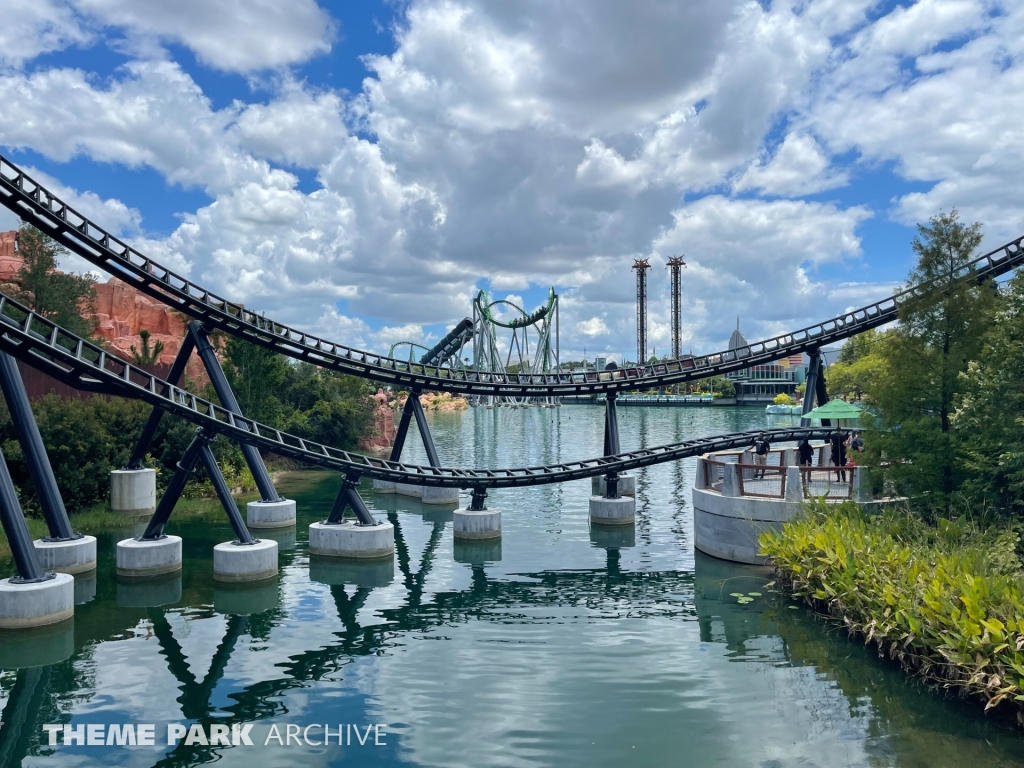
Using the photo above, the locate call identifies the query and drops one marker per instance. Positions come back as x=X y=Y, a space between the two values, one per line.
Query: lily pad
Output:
x=754 y=594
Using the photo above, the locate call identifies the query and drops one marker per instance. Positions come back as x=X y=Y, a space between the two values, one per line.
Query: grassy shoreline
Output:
x=946 y=601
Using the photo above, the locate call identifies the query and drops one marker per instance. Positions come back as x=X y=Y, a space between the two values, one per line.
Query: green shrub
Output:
x=946 y=601
x=783 y=399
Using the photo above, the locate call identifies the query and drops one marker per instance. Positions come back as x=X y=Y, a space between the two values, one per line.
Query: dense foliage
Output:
x=945 y=600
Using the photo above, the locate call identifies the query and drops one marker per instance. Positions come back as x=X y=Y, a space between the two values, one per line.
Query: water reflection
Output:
x=560 y=644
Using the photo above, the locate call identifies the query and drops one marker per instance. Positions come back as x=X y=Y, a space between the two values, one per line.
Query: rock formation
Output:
x=120 y=312
x=383 y=425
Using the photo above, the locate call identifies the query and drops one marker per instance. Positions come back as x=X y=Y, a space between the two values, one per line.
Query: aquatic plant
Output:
x=945 y=600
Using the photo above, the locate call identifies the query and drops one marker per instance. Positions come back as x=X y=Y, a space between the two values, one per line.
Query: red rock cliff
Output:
x=120 y=312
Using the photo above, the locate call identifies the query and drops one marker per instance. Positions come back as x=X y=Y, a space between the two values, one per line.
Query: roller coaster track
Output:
x=40 y=206
x=47 y=347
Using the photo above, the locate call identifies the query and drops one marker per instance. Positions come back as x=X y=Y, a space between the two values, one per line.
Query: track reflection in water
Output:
x=560 y=645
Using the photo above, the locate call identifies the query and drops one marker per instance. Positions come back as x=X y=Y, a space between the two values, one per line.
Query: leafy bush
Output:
x=946 y=601
x=783 y=399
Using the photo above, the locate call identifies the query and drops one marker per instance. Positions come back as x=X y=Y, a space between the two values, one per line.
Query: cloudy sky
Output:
x=362 y=169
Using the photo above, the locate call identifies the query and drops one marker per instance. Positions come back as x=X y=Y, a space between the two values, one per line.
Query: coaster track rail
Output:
x=33 y=202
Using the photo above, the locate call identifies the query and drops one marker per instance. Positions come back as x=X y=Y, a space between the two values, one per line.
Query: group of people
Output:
x=842 y=446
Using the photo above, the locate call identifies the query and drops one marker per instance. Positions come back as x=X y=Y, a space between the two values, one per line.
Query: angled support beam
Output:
x=227 y=398
x=348 y=496
x=403 y=425
x=188 y=345
x=39 y=468
x=414 y=408
x=26 y=561
x=242 y=534
x=186 y=468
x=428 y=440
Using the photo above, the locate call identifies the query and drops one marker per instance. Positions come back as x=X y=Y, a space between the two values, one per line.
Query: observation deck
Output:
x=735 y=500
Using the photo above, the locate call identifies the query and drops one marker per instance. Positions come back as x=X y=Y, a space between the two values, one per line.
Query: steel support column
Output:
x=814 y=388
x=611 y=440
x=227 y=398
x=479 y=500
x=348 y=496
x=26 y=561
x=428 y=439
x=188 y=344
x=39 y=468
x=403 y=425
x=186 y=468
x=242 y=534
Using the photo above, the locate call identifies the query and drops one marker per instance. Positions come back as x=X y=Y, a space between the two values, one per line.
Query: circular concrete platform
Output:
x=245 y=562
x=353 y=541
x=620 y=511
x=270 y=514
x=475 y=525
x=24 y=606
x=139 y=558
x=72 y=556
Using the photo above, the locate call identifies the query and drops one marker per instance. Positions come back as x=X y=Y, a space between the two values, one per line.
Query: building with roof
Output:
x=761 y=383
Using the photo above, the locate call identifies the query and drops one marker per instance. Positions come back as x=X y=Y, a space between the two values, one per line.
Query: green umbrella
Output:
x=836 y=409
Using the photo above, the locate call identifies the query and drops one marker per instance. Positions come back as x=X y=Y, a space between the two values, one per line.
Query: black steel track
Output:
x=75 y=361
x=40 y=206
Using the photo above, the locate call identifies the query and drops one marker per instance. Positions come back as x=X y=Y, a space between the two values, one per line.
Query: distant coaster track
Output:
x=49 y=348
x=38 y=205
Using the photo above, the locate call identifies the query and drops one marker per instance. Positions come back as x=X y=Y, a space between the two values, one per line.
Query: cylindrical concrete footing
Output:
x=270 y=514
x=627 y=485
x=137 y=558
x=474 y=525
x=133 y=491
x=350 y=540
x=72 y=556
x=245 y=562
x=23 y=606
x=620 y=511
x=440 y=496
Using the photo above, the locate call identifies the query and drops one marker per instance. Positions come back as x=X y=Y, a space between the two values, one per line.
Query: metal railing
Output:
x=834 y=482
x=33 y=202
x=762 y=480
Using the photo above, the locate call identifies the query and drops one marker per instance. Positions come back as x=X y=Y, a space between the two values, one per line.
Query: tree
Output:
x=940 y=332
x=858 y=366
x=991 y=412
x=147 y=356
x=256 y=375
x=58 y=296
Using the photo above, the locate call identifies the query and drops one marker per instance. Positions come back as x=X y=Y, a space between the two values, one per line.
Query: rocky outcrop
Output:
x=384 y=429
x=120 y=312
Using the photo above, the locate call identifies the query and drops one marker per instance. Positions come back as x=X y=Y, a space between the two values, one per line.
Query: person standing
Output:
x=761 y=448
x=806 y=452
x=838 y=444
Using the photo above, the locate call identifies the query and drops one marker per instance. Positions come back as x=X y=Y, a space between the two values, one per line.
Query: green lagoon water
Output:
x=560 y=646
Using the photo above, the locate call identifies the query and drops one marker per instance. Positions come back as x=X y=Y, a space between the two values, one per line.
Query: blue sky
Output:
x=362 y=169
